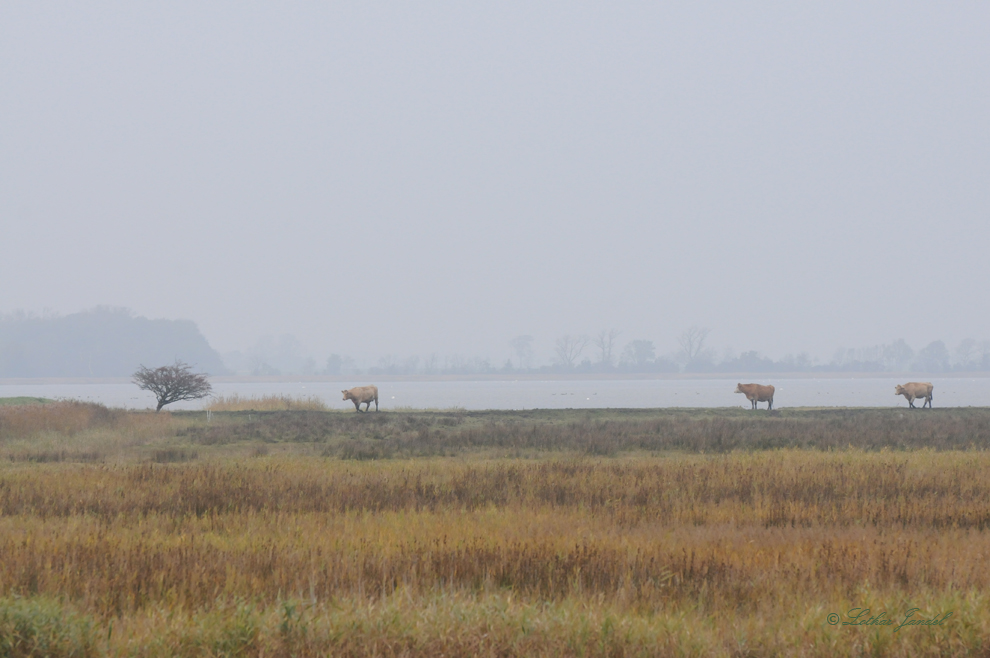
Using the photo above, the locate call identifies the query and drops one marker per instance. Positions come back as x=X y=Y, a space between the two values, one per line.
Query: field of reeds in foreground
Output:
x=559 y=533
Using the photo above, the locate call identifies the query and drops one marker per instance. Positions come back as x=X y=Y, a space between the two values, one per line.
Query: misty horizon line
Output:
x=637 y=357
x=933 y=359
x=577 y=354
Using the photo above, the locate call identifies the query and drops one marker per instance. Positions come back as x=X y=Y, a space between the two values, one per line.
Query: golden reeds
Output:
x=237 y=402
x=66 y=417
x=743 y=538
x=211 y=551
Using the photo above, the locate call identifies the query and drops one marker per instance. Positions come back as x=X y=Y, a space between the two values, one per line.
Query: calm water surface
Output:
x=589 y=394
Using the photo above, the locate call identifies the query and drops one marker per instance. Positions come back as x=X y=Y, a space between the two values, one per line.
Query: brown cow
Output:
x=362 y=394
x=915 y=391
x=757 y=393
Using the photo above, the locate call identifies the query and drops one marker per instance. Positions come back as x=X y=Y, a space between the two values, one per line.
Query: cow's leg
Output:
x=753 y=404
x=376 y=404
x=911 y=403
x=928 y=401
x=770 y=404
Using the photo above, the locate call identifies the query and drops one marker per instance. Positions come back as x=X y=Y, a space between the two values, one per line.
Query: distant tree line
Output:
x=100 y=342
x=113 y=342
x=601 y=353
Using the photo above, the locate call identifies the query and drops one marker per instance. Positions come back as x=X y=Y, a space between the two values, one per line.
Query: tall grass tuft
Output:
x=236 y=402
x=67 y=417
x=42 y=627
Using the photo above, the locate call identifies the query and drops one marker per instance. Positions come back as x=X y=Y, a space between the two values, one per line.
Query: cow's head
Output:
x=348 y=395
x=899 y=390
x=738 y=388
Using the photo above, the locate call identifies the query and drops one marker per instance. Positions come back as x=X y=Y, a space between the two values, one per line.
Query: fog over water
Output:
x=411 y=179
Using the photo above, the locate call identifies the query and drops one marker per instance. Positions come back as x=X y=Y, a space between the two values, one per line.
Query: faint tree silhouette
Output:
x=968 y=354
x=334 y=365
x=933 y=358
x=569 y=348
x=639 y=353
x=605 y=342
x=523 y=347
x=692 y=344
x=897 y=355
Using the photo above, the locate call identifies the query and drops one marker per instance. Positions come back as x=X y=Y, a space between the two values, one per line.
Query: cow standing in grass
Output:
x=361 y=395
x=757 y=393
x=915 y=391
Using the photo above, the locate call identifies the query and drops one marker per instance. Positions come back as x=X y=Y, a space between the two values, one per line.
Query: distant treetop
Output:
x=100 y=342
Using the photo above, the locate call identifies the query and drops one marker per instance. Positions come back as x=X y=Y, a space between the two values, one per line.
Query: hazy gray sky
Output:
x=409 y=178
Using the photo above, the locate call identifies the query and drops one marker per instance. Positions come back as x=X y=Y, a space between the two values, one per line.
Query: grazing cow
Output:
x=757 y=393
x=361 y=395
x=915 y=391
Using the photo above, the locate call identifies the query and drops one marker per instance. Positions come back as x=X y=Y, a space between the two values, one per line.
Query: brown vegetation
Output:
x=601 y=432
x=186 y=544
x=235 y=402
x=65 y=417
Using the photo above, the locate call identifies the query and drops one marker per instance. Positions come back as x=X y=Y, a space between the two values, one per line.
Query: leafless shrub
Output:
x=173 y=383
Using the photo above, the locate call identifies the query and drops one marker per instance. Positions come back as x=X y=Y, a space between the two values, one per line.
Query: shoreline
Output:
x=511 y=377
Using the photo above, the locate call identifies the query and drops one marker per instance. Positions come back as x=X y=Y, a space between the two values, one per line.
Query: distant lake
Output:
x=555 y=394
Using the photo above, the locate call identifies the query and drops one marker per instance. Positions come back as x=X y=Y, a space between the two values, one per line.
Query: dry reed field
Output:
x=235 y=402
x=557 y=533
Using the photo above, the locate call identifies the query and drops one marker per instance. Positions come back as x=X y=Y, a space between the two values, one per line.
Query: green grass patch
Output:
x=41 y=626
x=24 y=399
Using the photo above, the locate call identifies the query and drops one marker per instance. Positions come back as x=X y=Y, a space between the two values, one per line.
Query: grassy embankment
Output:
x=641 y=532
x=22 y=400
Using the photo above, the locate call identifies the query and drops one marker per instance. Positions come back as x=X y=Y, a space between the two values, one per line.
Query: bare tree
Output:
x=173 y=383
x=605 y=342
x=523 y=347
x=432 y=364
x=569 y=348
x=388 y=364
x=692 y=343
